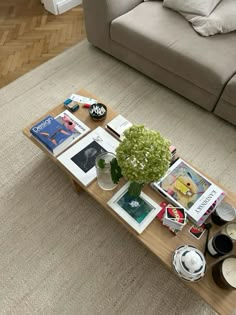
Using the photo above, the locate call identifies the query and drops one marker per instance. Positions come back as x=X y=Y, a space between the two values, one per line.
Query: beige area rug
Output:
x=60 y=252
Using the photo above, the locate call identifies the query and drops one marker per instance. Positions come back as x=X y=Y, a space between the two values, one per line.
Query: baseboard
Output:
x=64 y=5
x=51 y=6
x=60 y=6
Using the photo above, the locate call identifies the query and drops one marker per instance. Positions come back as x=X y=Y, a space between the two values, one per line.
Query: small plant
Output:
x=142 y=157
x=101 y=163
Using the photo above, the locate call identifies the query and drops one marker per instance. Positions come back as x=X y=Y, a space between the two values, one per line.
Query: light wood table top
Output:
x=156 y=237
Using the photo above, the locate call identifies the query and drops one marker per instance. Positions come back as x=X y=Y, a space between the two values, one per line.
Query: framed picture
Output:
x=80 y=158
x=138 y=212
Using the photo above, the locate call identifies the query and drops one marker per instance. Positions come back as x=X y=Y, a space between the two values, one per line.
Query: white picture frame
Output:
x=80 y=158
x=139 y=219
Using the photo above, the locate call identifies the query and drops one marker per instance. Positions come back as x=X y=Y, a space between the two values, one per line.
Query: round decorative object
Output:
x=189 y=263
x=224 y=213
x=224 y=273
x=219 y=245
x=230 y=230
x=98 y=111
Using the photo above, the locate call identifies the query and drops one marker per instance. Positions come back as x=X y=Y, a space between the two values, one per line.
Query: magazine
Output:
x=80 y=158
x=187 y=188
x=52 y=134
x=74 y=124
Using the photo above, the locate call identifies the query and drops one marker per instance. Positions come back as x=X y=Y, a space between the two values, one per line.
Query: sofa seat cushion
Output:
x=165 y=38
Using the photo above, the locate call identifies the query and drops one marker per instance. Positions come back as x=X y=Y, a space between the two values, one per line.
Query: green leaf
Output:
x=115 y=171
x=101 y=163
x=135 y=189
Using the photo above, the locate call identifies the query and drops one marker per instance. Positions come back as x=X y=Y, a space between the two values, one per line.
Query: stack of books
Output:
x=187 y=188
x=173 y=154
x=117 y=126
x=57 y=134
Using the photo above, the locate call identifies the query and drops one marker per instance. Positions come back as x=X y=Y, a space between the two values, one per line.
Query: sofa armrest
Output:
x=99 y=15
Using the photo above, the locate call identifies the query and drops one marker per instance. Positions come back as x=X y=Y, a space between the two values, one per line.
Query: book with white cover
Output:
x=80 y=158
x=186 y=187
x=79 y=128
x=118 y=125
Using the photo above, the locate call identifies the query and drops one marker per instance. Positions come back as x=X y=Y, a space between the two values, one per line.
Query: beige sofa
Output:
x=162 y=44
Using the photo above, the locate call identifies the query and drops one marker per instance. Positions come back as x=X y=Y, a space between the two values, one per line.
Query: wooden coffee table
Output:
x=156 y=238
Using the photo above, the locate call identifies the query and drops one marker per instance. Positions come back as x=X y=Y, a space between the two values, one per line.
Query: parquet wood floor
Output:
x=30 y=35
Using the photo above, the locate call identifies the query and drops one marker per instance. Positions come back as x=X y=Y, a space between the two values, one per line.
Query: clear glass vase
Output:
x=103 y=168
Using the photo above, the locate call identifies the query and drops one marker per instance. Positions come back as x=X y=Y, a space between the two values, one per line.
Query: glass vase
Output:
x=103 y=169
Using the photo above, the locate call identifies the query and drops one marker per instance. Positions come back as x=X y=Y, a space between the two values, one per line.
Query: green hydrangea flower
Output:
x=143 y=155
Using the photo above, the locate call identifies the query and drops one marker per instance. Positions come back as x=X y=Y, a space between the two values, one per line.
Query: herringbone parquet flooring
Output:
x=30 y=35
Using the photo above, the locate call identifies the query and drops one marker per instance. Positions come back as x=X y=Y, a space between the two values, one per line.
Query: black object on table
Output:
x=208 y=226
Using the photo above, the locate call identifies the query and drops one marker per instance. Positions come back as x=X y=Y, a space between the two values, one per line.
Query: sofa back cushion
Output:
x=221 y=20
x=201 y=7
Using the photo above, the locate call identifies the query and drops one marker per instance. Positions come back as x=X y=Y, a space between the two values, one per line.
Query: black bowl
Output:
x=98 y=111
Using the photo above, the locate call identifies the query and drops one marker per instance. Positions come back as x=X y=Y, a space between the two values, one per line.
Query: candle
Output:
x=229 y=271
x=224 y=273
x=224 y=213
x=230 y=230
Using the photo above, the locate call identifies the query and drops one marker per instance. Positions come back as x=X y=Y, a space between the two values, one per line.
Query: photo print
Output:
x=137 y=207
x=80 y=158
x=138 y=212
x=85 y=159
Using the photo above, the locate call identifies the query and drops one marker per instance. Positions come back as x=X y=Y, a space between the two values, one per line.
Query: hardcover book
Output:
x=52 y=134
x=74 y=124
x=80 y=158
x=185 y=187
x=118 y=125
